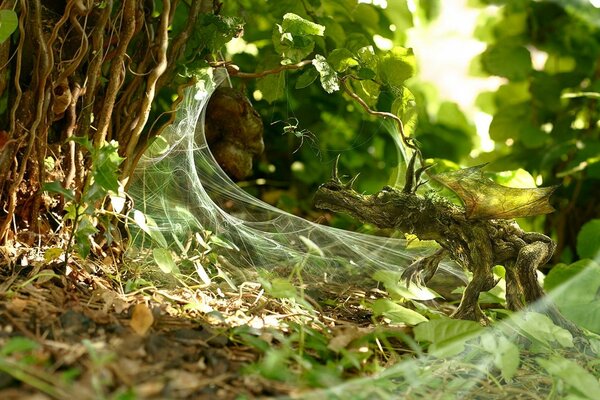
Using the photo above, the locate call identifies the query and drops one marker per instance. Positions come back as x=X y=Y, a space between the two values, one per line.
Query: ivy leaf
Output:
x=105 y=168
x=485 y=199
x=329 y=79
x=397 y=65
x=57 y=187
x=83 y=236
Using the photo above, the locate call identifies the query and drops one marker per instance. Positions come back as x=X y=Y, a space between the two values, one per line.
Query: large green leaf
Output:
x=397 y=65
x=8 y=24
x=297 y=25
x=507 y=60
x=588 y=240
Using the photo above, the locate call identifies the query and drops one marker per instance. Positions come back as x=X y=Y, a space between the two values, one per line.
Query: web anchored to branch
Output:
x=183 y=190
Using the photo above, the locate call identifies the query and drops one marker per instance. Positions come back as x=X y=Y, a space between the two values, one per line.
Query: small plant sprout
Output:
x=291 y=127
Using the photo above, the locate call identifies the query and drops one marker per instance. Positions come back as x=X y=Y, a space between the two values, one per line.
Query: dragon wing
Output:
x=485 y=199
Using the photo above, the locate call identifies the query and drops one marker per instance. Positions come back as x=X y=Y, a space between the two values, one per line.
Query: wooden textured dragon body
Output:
x=469 y=236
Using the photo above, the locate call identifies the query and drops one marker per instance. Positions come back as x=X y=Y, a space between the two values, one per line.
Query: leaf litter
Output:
x=78 y=333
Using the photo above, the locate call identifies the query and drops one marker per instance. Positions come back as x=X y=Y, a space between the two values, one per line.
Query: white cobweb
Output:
x=184 y=190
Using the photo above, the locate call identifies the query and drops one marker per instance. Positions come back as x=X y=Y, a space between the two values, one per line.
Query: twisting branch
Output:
x=155 y=74
x=234 y=71
x=411 y=183
x=409 y=142
x=116 y=71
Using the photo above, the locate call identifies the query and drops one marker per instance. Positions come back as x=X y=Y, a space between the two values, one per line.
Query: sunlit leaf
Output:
x=329 y=79
x=397 y=65
x=8 y=24
x=447 y=336
x=572 y=374
x=297 y=25
x=485 y=199
x=341 y=59
x=396 y=313
x=164 y=260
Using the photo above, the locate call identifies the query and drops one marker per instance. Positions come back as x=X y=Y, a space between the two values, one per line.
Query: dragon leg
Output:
x=480 y=264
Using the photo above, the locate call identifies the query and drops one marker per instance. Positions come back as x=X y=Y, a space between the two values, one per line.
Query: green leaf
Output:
x=280 y=288
x=84 y=142
x=342 y=59
x=164 y=260
x=575 y=290
x=57 y=187
x=447 y=336
x=105 y=167
x=507 y=60
x=396 y=313
x=18 y=344
x=297 y=25
x=149 y=226
x=539 y=327
x=366 y=73
x=397 y=65
x=329 y=79
x=509 y=121
x=506 y=358
x=573 y=375
x=561 y=273
x=398 y=290
x=83 y=236
x=588 y=242
x=307 y=78
x=9 y=22
x=272 y=87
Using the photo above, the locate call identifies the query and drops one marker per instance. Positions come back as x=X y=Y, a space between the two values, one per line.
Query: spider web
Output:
x=184 y=190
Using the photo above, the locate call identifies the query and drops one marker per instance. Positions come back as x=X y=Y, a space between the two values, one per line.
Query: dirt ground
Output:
x=84 y=333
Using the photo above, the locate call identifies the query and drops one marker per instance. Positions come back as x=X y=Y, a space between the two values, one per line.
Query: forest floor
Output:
x=94 y=331
x=87 y=332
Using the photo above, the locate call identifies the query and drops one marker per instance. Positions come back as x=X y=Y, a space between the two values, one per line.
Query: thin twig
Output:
x=234 y=71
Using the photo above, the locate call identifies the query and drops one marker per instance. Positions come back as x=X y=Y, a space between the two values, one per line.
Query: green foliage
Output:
x=9 y=22
x=588 y=245
x=447 y=337
x=545 y=116
x=575 y=289
x=84 y=209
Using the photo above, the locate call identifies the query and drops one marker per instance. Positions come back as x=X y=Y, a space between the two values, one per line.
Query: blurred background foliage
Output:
x=544 y=113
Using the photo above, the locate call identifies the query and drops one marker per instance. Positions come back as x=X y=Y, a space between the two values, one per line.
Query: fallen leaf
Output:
x=141 y=319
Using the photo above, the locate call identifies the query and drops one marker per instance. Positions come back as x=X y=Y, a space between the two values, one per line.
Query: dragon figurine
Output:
x=477 y=237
